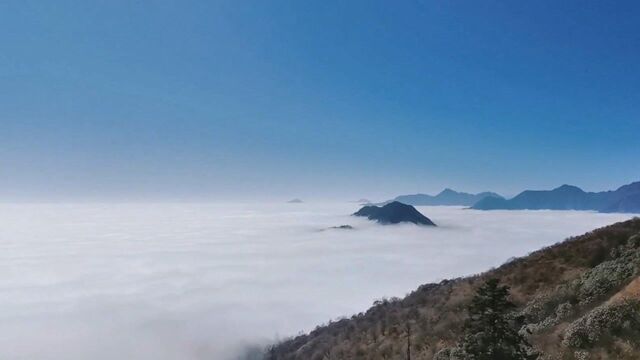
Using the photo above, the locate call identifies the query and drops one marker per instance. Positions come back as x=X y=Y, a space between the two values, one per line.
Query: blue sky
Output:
x=315 y=99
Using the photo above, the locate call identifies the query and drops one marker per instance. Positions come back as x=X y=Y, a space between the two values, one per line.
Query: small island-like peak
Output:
x=393 y=213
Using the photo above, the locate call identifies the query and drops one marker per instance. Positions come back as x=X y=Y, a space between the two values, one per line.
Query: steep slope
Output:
x=445 y=197
x=576 y=300
x=394 y=213
x=568 y=197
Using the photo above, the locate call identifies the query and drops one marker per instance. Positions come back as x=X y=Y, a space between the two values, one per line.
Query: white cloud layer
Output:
x=198 y=281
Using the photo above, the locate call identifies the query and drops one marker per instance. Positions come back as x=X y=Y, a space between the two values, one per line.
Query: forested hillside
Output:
x=577 y=299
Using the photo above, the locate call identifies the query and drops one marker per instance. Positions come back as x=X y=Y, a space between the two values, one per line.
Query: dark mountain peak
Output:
x=448 y=191
x=393 y=213
x=632 y=188
x=485 y=194
x=568 y=188
x=568 y=197
x=398 y=206
x=447 y=196
x=492 y=203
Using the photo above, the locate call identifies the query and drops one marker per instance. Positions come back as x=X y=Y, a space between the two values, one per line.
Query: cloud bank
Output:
x=201 y=281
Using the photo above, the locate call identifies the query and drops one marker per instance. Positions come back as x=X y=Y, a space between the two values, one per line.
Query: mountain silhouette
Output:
x=394 y=213
x=445 y=197
x=625 y=199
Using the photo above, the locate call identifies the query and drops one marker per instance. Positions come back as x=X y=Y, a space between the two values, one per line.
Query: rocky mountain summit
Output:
x=394 y=213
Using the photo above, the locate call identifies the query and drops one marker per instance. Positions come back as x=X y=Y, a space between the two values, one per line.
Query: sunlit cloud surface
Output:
x=200 y=281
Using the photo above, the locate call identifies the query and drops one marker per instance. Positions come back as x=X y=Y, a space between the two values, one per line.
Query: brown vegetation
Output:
x=565 y=306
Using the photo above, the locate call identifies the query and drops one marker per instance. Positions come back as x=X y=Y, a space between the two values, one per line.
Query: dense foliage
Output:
x=489 y=330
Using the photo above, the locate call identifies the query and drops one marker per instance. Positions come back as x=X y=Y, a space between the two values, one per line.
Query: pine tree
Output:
x=408 y=341
x=272 y=353
x=489 y=334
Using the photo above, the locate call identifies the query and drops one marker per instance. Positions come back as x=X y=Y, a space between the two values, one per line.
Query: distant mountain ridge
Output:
x=445 y=197
x=394 y=213
x=626 y=199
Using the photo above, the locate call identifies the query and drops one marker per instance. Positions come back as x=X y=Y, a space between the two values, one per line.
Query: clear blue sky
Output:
x=311 y=99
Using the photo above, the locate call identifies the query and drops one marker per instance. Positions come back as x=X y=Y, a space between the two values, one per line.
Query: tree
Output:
x=408 y=341
x=489 y=334
x=271 y=353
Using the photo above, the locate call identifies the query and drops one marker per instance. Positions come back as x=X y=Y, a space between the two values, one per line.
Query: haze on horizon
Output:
x=201 y=100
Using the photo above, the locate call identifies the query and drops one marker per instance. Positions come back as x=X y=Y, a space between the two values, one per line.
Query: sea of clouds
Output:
x=202 y=281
